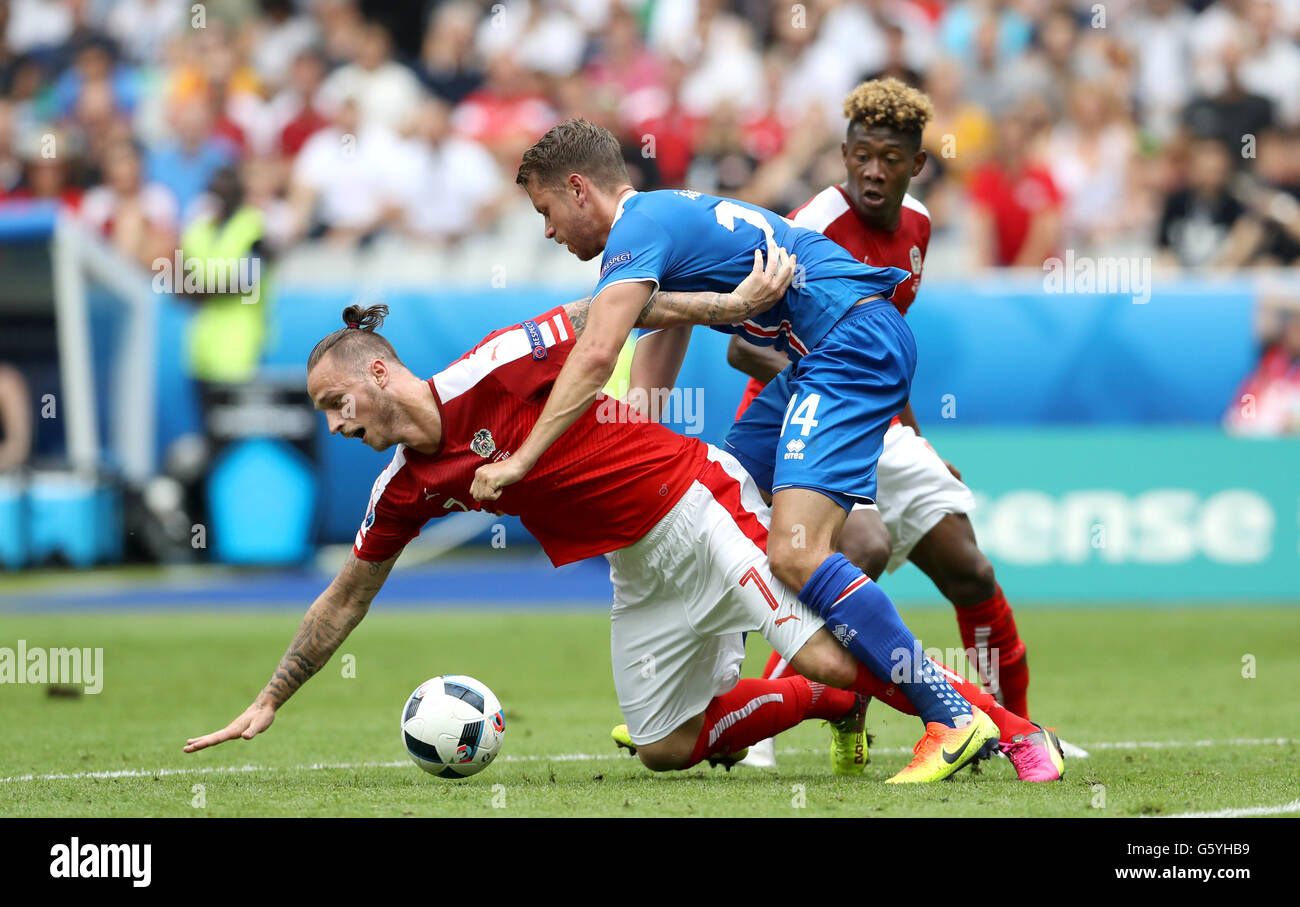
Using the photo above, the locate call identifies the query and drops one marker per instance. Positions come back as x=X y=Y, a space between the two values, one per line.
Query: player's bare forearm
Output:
x=759 y=362
x=759 y=291
x=670 y=309
x=325 y=625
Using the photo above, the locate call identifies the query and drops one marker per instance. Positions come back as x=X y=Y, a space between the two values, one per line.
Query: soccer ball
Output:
x=452 y=726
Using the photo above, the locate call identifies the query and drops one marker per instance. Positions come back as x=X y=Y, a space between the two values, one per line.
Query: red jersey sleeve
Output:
x=388 y=525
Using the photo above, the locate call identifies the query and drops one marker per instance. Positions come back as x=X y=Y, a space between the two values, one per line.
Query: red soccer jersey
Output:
x=829 y=213
x=600 y=487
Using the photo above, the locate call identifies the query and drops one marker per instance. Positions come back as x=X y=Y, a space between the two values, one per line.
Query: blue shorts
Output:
x=821 y=423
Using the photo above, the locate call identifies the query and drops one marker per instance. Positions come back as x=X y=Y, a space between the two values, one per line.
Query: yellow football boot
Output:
x=944 y=751
x=849 y=741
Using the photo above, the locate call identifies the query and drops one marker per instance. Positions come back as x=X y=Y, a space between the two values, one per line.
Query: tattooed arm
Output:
x=327 y=623
x=757 y=293
x=668 y=308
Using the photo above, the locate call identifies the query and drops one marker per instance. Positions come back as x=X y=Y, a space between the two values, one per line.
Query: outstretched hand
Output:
x=255 y=719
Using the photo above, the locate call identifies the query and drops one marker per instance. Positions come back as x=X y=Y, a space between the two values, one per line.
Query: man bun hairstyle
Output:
x=366 y=318
x=574 y=146
x=357 y=340
x=891 y=104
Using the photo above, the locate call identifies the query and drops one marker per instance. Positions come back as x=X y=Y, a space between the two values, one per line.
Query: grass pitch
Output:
x=1158 y=696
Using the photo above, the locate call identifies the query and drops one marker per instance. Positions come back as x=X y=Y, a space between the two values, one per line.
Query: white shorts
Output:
x=914 y=491
x=686 y=592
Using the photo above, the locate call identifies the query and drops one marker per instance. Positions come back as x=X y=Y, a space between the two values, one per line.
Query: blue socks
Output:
x=866 y=622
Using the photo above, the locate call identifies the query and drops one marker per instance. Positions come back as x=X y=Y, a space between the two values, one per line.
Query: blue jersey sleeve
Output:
x=637 y=249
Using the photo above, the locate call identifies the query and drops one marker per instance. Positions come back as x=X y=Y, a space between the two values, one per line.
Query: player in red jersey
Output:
x=683 y=526
x=921 y=502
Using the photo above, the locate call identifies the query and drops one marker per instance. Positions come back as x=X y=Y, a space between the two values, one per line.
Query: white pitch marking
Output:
x=313 y=767
x=1171 y=744
x=1241 y=813
x=570 y=757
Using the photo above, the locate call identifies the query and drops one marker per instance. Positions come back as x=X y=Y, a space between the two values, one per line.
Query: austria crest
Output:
x=483 y=445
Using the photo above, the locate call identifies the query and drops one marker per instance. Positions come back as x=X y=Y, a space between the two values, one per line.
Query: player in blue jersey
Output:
x=811 y=438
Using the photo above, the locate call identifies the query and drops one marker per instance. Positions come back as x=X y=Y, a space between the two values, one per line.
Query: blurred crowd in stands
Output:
x=1103 y=127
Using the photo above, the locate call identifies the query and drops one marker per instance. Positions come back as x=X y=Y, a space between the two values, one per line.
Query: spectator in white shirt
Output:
x=343 y=180
x=449 y=186
x=385 y=91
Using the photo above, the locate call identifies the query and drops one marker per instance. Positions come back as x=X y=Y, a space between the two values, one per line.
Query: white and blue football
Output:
x=453 y=726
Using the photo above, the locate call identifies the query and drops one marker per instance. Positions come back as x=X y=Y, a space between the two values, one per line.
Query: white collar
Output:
x=622 y=200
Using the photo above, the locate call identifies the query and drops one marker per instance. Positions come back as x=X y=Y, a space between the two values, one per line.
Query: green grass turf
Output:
x=1098 y=675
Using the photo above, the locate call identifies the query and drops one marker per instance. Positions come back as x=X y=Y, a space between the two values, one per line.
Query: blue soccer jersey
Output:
x=689 y=242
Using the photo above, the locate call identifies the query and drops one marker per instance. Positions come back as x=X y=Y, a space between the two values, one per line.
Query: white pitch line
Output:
x=574 y=757
x=313 y=767
x=1292 y=807
x=1172 y=744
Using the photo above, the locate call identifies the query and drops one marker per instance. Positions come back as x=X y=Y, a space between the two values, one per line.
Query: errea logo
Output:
x=614 y=261
x=794 y=450
x=843 y=634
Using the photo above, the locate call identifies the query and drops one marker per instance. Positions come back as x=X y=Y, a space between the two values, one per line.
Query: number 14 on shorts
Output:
x=802 y=415
x=752 y=575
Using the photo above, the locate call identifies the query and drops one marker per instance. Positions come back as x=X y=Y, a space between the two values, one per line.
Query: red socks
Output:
x=757 y=709
x=1009 y=724
x=988 y=625
x=991 y=625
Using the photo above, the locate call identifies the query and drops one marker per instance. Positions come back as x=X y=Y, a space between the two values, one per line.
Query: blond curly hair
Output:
x=889 y=103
